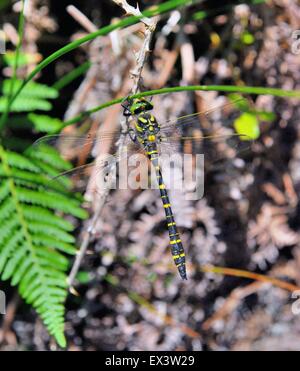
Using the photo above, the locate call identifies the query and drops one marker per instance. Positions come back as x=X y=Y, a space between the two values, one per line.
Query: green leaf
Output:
x=26 y=104
x=35 y=238
x=247 y=125
x=45 y=124
x=83 y=277
x=24 y=58
x=33 y=97
x=49 y=156
x=239 y=102
x=247 y=38
x=266 y=116
x=61 y=339
x=32 y=89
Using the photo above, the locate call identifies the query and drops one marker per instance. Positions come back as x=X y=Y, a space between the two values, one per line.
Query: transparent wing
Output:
x=210 y=133
x=182 y=126
x=195 y=134
x=93 y=174
x=75 y=144
x=83 y=148
x=215 y=150
x=225 y=113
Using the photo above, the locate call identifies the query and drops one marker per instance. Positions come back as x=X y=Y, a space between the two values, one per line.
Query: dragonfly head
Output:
x=137 y=106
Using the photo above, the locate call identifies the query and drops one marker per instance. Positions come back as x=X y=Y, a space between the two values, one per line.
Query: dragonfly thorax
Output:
x=147 y=128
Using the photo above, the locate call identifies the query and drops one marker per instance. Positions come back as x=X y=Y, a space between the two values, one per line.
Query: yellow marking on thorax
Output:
x=151 y=138
x=143 y=120
x=138 y=127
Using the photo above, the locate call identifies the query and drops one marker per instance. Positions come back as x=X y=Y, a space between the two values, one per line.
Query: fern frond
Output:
x=26 y=104
x=20 y=162
x=53 y=231
x=46 y=124
x=6 y=209
x=24 y=58
x=33 y=97
x=46 y=240
x=34 y=181
x=32 y=89
x=48 y=155
x=34 y=237
x=50 y=162
x=8 y=248
x=4 y=191
x=39 y=214
x=51 y=200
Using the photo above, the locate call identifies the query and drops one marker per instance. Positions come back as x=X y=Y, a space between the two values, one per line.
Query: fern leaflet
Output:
x=34 y=238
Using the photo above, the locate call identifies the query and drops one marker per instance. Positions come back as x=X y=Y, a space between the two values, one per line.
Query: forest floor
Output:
x=249 y=218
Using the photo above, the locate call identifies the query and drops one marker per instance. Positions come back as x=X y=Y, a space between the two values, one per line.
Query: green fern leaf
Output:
x=33 y=97
x=46 y=124
x=24 y=58
x=53 y=231
x=51 y=200
x=6 y=209
x=4 y=191
x=32 y=89
x=34 y=237
x=25 y=104
x=43 y=239
x=38 y=214
x=21 y=162
x=48 y=155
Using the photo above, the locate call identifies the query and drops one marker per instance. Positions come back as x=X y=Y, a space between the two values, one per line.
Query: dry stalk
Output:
x=81 y=18
x=102 y=197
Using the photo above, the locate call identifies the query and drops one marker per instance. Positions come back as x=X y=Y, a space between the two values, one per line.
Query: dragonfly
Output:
x=147 y=135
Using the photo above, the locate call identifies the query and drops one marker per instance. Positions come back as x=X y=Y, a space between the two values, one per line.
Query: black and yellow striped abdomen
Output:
x=147 y=132
x=177 y=249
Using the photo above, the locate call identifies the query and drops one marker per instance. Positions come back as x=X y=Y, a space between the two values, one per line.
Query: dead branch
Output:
x=81 y=18
x=130 y=10
x=136 y=74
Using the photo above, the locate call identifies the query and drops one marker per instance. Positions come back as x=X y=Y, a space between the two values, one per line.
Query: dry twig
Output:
x=81 y=18
x=141 y=59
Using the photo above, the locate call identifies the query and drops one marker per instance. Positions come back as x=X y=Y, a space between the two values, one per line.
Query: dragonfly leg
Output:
x=132 y=135
x=126 y=105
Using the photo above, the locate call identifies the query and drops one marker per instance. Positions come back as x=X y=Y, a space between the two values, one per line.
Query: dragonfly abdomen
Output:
x=177 y=249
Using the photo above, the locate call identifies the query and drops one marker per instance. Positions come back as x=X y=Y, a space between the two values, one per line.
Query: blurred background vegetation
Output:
x=128 y=295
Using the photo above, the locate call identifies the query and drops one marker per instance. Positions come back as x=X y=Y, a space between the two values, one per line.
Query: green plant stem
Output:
x=153 y=11
x=71 y=76
x=222 y=88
